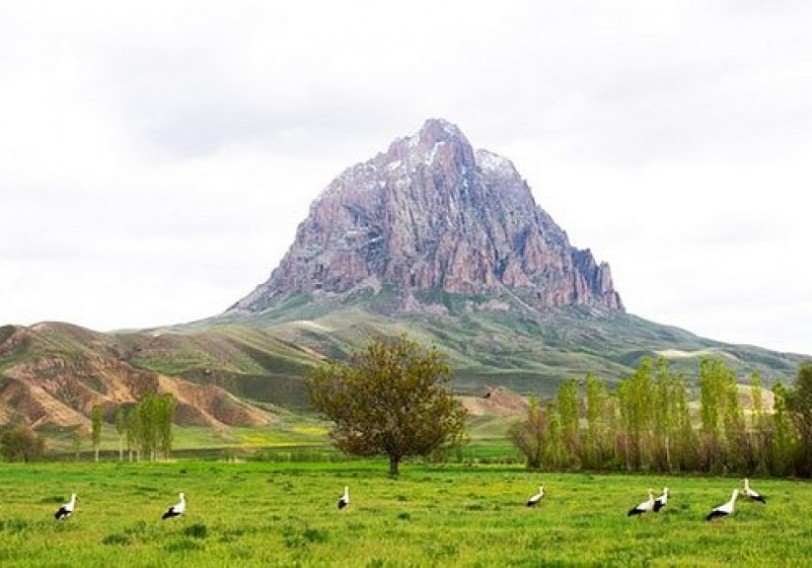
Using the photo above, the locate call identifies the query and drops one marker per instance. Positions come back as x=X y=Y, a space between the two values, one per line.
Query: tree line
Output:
x=144 y=430
x=653 y=422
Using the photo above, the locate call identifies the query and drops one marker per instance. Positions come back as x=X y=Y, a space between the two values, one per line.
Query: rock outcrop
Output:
x=431 y=215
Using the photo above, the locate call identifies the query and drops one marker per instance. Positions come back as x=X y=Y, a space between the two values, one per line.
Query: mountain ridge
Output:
x=431 y=214
x=430 y=238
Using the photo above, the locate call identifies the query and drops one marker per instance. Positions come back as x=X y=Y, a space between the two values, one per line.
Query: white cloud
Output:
x=157 y=157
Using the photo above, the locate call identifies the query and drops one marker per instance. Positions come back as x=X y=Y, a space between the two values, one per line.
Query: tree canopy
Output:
x=20 y=443
x=646 y=424
x=391 y=398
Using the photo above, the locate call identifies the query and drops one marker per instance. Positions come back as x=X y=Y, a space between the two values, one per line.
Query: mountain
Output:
x=433 y=216
x=431 y=238
x=52 y=374
x=444 y=242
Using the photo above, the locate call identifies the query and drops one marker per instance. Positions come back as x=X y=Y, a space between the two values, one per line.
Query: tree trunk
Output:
x=96 y=454
x=394 y=461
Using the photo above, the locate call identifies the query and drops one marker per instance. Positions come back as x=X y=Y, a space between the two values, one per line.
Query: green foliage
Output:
x=147 y=425
x=799 y=404
x=121 y=430
x=96 y=431
x=76 y=442
x=635 y=399
x=529 y=436
x=647 y=425
x=392 y=398
x=715 y=382
x=784 y=439
x=568 y=413
x=685 y=445
x=20 y=443
x=596 y=438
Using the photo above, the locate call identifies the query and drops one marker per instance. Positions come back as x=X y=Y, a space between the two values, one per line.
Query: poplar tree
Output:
x=711 y=406
x=783 y=435
x=165 y=411
x=799 y=403
x=77 y=443
x=96 y=423
x=663 y=421
x=636 y=398
x=686 y=442
x=623 y=397
x=614 y=435
x=147 y=418
x=736 y=442
x=133 y=425
x=555 y=451
x=121 y=430
x=567 y=400
x=759 y=436
x=595 y=440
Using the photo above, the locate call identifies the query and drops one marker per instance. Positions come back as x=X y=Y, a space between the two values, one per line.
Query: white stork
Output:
x=661 y=501
x=345 y=499
x=536 y=499
x=177 y=509
x=724 y=510
x=66 y=510
x=752 y=494
x=643 y=507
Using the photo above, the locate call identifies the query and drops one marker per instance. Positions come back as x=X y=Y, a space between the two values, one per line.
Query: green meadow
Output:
x=284 y=514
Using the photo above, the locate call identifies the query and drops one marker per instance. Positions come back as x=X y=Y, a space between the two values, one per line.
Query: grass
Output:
x=284 y=514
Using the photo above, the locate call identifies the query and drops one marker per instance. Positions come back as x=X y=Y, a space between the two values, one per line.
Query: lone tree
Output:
x=392 y=398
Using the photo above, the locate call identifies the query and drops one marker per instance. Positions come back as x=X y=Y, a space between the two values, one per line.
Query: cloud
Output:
x=158 y=156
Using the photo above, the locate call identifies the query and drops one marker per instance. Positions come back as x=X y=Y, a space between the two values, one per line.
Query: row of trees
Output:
x=394 y=398
x=143 y=428
x=648 y=424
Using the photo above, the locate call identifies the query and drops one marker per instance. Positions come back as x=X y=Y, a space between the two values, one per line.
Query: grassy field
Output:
x=284 y=514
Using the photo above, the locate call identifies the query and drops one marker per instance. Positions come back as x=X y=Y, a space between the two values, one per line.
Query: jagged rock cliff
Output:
x=433 y=214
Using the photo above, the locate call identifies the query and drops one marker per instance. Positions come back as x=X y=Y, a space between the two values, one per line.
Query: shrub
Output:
x=20 y=443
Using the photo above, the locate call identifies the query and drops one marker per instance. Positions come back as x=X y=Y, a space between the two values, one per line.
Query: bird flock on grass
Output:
x=650 y=505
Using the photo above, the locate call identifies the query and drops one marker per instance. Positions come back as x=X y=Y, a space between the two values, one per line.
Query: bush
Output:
x=20 y=443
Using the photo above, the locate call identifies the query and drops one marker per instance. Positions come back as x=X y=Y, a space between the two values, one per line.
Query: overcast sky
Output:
x=157 y=156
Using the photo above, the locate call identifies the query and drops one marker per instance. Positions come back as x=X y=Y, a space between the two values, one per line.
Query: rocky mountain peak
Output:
x=432 y=215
